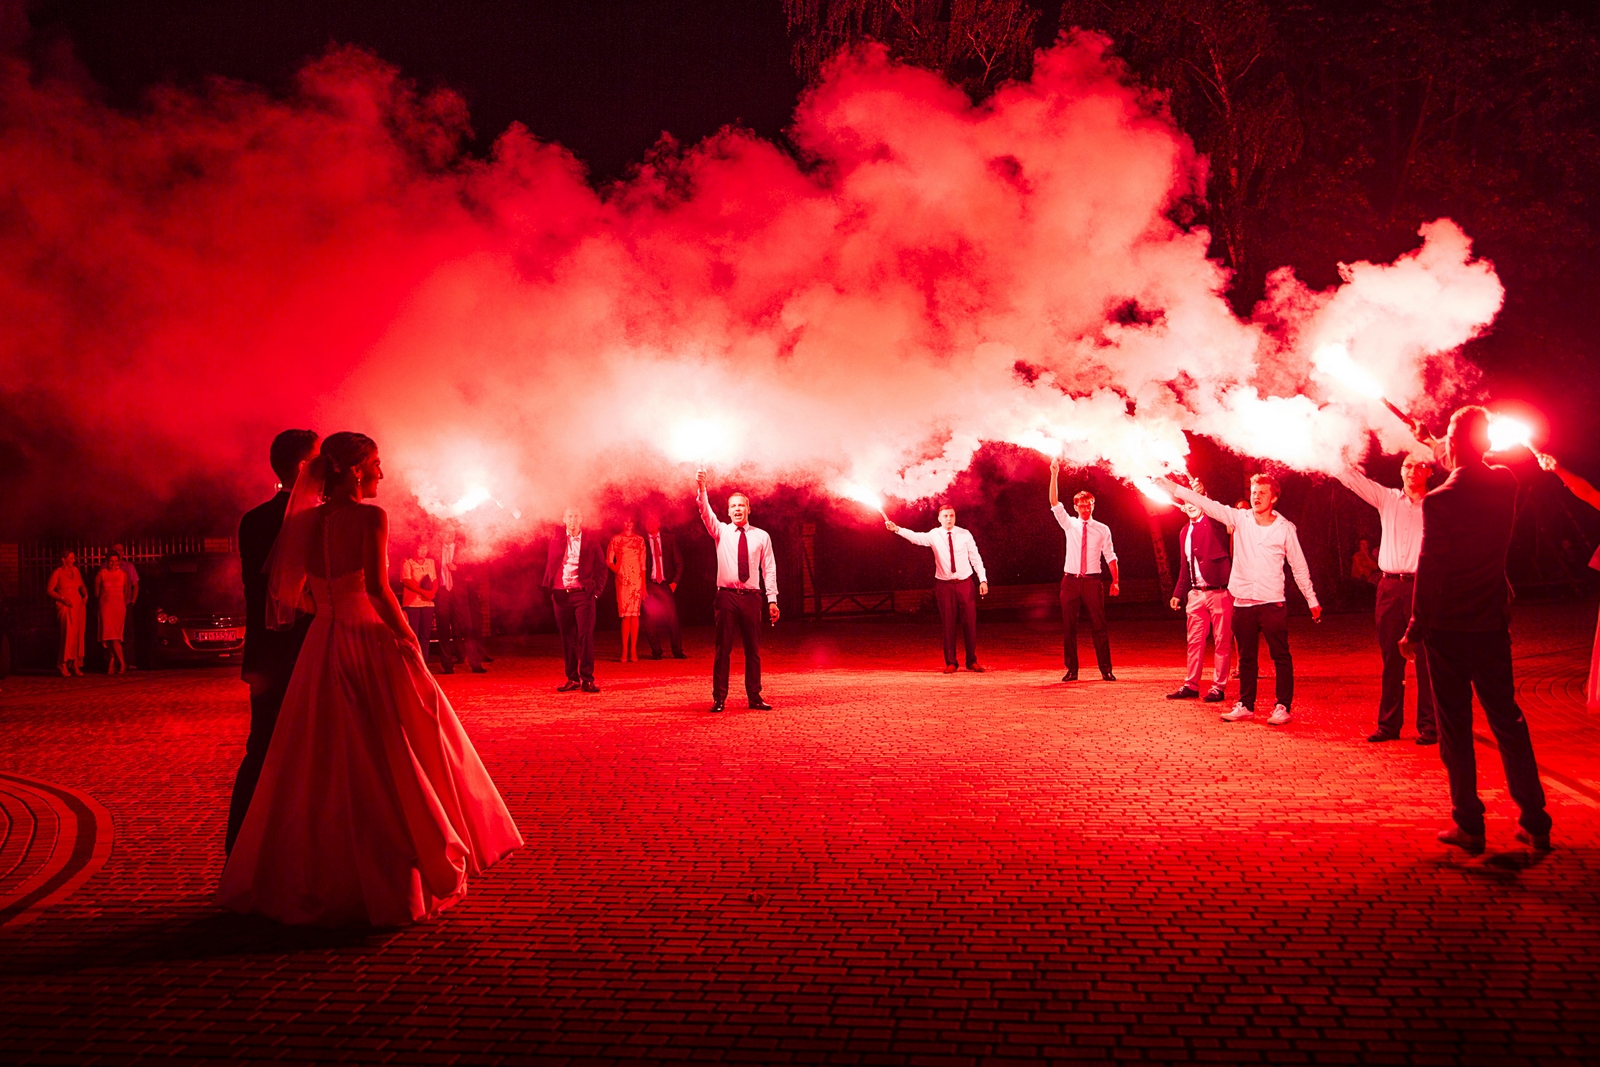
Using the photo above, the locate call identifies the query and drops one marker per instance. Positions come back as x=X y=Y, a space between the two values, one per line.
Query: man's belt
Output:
x=1411 y=577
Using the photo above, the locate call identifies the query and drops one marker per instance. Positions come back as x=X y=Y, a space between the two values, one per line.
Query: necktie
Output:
x=744 y=557
x=951 y=535
x=655 y=543
x=1083 y=548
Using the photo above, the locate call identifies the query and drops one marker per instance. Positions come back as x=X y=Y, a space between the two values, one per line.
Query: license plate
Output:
x=216 y=635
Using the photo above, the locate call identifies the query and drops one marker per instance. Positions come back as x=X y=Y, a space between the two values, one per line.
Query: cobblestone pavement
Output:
x=894 y=866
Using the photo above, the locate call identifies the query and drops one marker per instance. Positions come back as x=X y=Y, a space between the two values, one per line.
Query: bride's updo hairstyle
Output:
x=340 y=455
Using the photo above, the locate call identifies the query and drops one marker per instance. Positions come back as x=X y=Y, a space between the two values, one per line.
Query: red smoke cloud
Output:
x=182 y=283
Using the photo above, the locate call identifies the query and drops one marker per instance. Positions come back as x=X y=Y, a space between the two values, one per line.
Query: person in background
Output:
x=663 y=570
x=269 y=655
x=419 y=582
x=1202 y=595
x=1400 y=512
x=1263 y=541
x=1363 y=564
x=955 y=562
x=1087 y=542
x=71 y=597
x=111 y=596
x=133 y=598
x=744 y=563
x=575 y=575
x=1461 y=621
x=625 y=558
x=452 y=611
x=1587 y=493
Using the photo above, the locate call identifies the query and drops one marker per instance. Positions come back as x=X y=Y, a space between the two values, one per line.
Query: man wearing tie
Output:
x=1202 y=594
x=744 y=555
x=955 y=560
x=663 y=569
x=1087 y=543
x=458 y=636
x=575 y=574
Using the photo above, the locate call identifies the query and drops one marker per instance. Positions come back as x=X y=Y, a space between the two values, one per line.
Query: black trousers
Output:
x=1458 y=663
x=1272 y=622
x=738 y=613
x=458 y=637
x=575 y=620
x=958 y=607
x=1091 y=595
x=661 y=613
x=1393 y=615
x=264 y=707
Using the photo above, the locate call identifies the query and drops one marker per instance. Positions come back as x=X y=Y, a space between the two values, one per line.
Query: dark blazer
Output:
x=269 y=655
x=1466 y=534
x=592 y=570
x=671 y=560
x=1211 y=551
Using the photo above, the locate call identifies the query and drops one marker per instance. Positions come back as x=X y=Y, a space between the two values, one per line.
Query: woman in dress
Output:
x=1587 y=493
x=66 y=588
x=111 y=591
x=625 y=557
x=373 y=807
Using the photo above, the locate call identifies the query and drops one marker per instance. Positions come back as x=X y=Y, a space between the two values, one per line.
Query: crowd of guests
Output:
x=116 y=589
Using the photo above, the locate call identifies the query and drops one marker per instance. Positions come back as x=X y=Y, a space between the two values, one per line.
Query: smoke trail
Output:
x=929 y=276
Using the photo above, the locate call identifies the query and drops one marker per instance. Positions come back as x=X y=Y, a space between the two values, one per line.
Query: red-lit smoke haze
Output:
x=180 y=284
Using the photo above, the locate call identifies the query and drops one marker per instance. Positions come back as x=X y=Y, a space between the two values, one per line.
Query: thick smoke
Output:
x=181 y=283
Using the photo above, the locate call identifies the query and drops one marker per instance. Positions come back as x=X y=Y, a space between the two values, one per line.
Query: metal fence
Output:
x=37 y=559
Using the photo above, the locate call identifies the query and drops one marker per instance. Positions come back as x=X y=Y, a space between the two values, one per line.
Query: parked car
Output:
x=192 y=609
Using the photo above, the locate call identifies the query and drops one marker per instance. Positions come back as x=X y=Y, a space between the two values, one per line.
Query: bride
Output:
x=373 y=806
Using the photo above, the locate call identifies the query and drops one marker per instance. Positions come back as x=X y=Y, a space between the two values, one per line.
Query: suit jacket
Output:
x=1211 y=553
x=592 y=570
x=269 y=655
x=1461 y=571
x=671 y=560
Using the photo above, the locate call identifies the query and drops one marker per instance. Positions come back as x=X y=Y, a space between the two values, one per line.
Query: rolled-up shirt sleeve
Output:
x=1298 y=568
x=923 y=539
x=769 y=565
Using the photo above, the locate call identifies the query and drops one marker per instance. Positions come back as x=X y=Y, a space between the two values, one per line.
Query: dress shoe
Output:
x=1070 y=676
x=480 y=670
x=760 y=705
x=590 y=687
x=717 y=707
x=1382 y=736
x=1107 y=676
x=567 y=687
x=655 y=655
x=1472 y=844
x=1184 y=693
x=975 y=668
x=1216 y=695
x=949 y=668
x=445 y=670
x=679 y=655
x=1428 y=739
x=1537 y=842
x=488 y=659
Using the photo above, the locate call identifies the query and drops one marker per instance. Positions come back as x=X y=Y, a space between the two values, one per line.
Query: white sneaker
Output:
x=1279 y=716
x=1238 y=714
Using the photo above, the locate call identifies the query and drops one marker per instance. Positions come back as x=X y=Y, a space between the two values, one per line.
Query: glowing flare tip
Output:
x=1150 y=489
x=1334 y=361
x=852 y=491
x=1506 y=433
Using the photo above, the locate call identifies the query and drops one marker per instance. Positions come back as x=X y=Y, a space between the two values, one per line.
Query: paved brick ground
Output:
x=893 y=867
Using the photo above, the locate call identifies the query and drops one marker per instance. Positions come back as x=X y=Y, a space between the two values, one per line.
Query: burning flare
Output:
x=1506 y=433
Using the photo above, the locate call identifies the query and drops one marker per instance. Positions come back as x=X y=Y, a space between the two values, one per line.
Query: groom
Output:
x=269 y=655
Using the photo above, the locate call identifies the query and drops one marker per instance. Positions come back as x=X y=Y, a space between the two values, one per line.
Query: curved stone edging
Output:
x=59 y=853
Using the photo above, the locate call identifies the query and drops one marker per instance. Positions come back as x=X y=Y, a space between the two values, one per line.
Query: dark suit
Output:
x=1461 y=615
x=269 y=655
x=1211 y=547
x=660 y=605
x=574 y=608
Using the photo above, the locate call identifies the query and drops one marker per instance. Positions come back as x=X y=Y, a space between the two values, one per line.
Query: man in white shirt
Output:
x=1263 y=541
x=1087 y=543
x=744 y=558
x=1400 y=513
x=955 y=561
x=419 y=584
x=458 y=631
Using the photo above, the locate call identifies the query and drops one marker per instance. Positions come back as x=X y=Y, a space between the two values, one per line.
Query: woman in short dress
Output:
x=66 y=588
x=625 y=557
x=111 y=591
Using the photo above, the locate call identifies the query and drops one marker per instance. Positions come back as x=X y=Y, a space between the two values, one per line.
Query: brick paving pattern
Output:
x=894 y=866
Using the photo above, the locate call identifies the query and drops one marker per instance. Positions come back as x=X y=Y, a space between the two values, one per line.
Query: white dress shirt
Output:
x=966 y=560
x=569 y=566
x=1401 y=518
x=1099 y=535
x=1259 y=553
x=658 y=572
x=414 y=570
x=757 y=544
x=447 y=566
